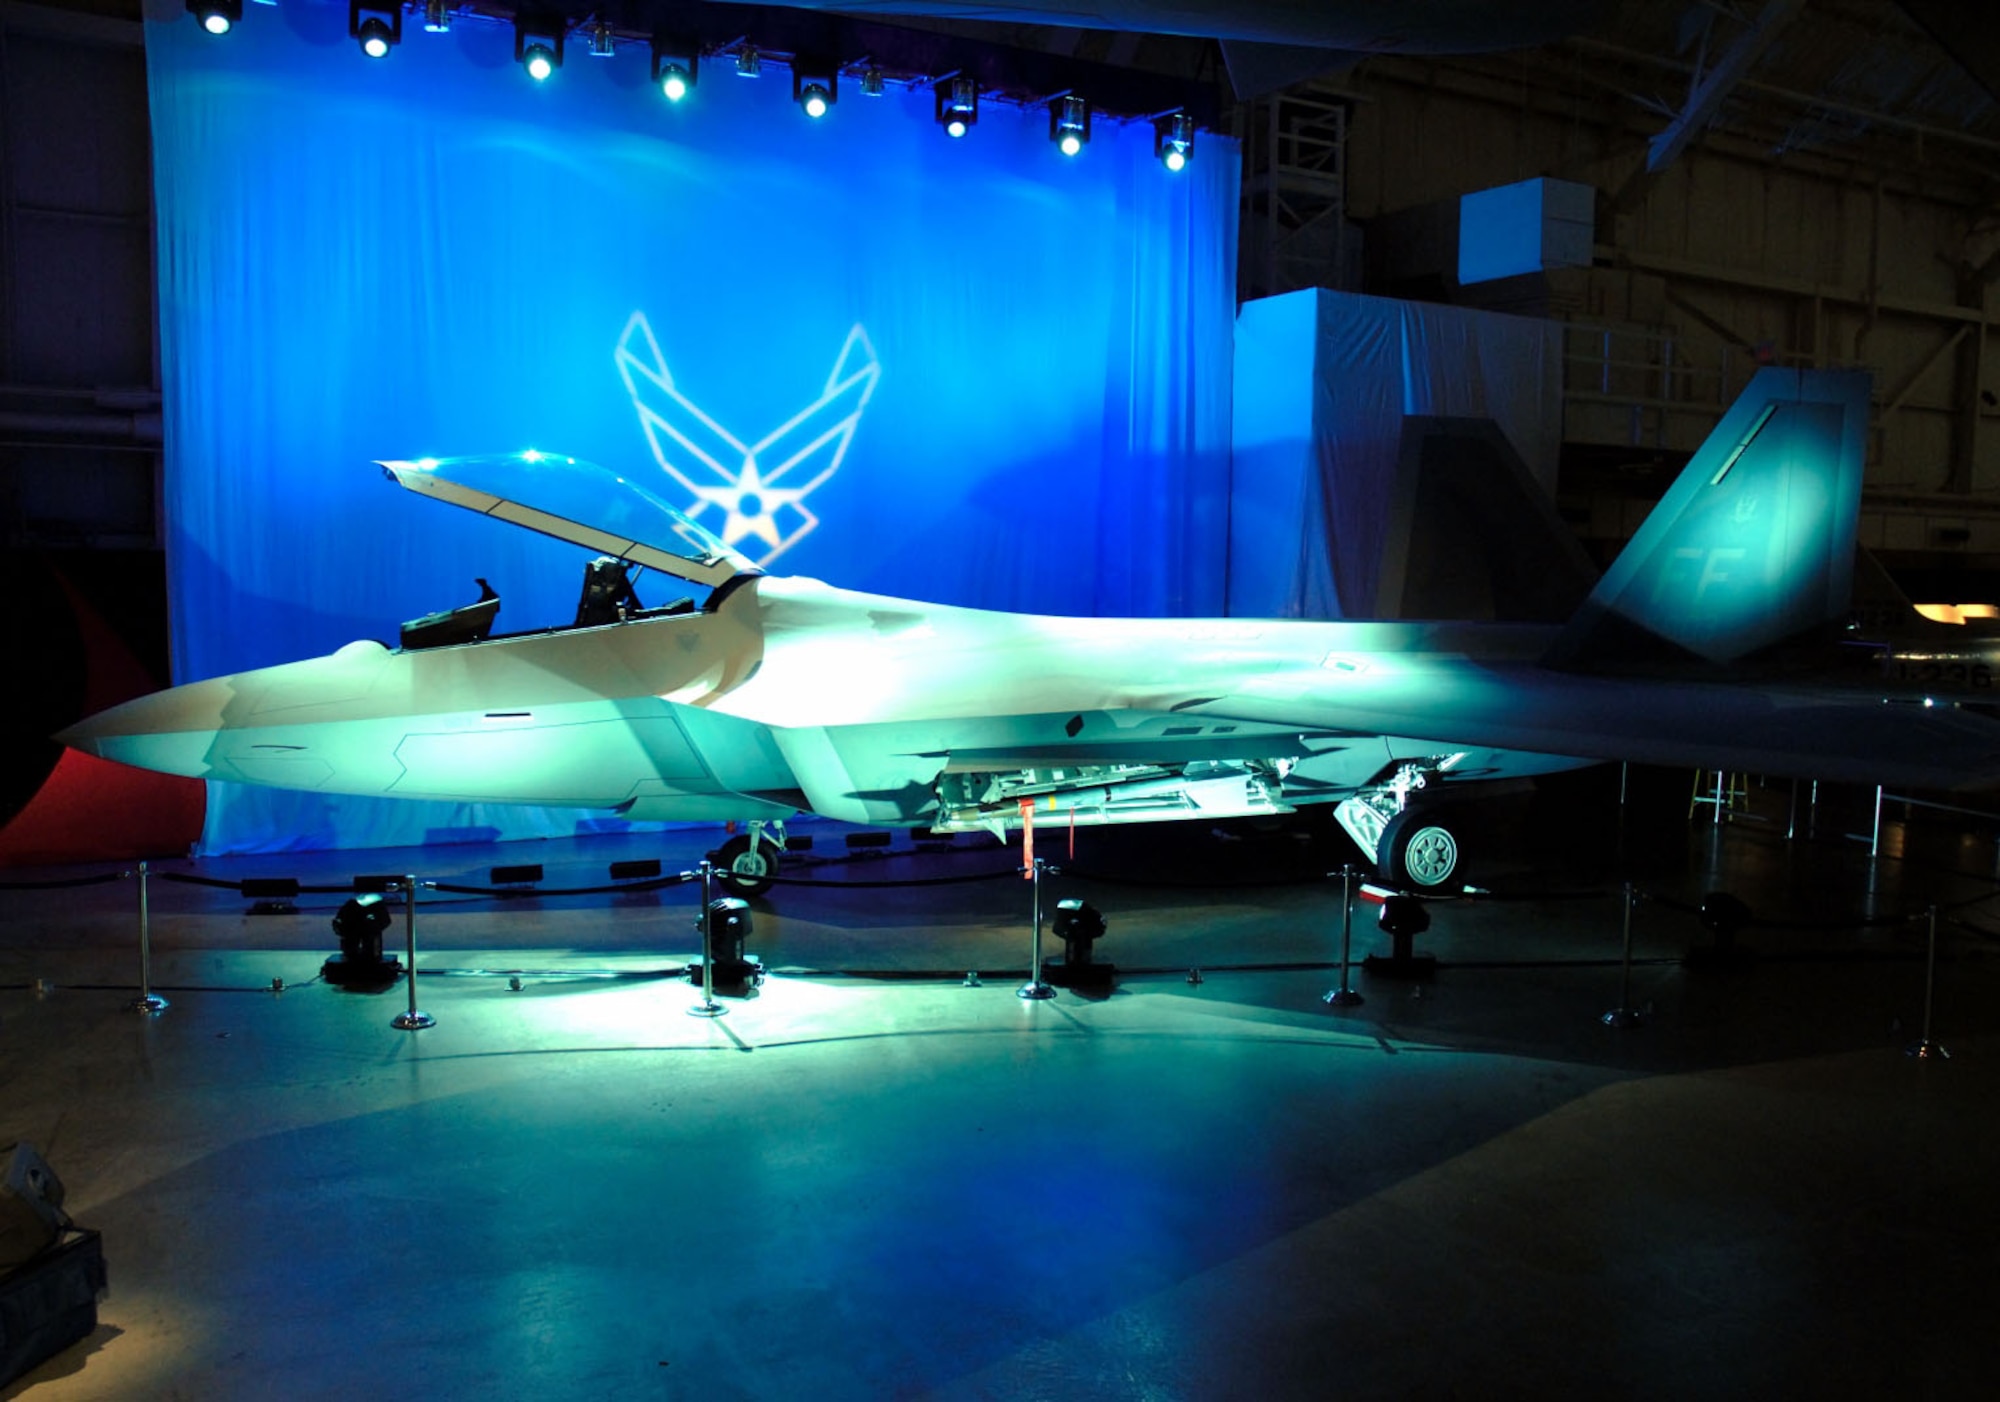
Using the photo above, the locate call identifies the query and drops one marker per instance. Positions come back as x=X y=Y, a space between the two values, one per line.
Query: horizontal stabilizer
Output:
x=1754 y=543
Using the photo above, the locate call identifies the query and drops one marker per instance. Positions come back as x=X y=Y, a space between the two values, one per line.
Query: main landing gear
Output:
x=1417 y=850
x=1411 y=843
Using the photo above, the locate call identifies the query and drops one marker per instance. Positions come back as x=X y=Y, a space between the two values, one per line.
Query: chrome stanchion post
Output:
x=707 y=1007
x=1875 y=837
x=1623 y=1015
x=1925 y=1049
x=1034 y=988
x=411 y=1021
x=148 y=1001
x=1624 y=810
x=1344 y=996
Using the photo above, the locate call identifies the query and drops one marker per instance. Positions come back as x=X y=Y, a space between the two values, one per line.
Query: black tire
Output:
x=1418 y=851
x=743 y=871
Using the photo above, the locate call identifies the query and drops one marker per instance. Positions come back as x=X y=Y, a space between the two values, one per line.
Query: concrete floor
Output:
x=871 y=1180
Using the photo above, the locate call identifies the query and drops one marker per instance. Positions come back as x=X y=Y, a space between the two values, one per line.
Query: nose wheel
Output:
x=746 y=863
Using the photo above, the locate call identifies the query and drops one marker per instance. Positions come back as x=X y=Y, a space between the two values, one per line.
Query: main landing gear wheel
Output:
x=1416 y=850
x=746 y=867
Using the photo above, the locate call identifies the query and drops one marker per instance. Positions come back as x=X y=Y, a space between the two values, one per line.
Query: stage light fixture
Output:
x=1069 y=124
x=216 y=16
x=377 y=28
x=957 y=106
x=815 y=86
x=437 y=17
x=538 y=44
x=361 y=965
x=1173 y=140
x=675 y=66
x=871 y=81
x=748 y=64
x=603 y=44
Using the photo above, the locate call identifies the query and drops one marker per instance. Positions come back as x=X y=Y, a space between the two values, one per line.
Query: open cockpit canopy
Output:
x=580 y=502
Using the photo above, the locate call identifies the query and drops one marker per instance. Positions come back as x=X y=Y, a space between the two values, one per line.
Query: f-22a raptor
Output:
x=772 y=695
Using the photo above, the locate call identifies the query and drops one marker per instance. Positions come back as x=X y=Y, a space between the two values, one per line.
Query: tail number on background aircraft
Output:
x=1939 y=671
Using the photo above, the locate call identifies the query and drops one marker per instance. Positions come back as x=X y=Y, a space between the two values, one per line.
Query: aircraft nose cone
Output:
x=170 y=731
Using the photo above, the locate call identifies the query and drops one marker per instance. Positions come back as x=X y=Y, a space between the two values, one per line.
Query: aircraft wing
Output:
x=1836 y=734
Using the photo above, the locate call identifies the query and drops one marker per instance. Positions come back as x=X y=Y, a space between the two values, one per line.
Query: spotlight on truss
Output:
x=1069 y=124
x=1173 y=140
x=676 y=63
x=377 y=28
x=815 y=86
x=538 y=44
x=957 y=106
x=216 y=16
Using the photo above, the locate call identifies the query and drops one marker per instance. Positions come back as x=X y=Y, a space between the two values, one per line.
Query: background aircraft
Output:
x=775 y=694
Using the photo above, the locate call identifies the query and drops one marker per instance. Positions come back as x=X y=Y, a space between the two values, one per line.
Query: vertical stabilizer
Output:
x=1754 y=543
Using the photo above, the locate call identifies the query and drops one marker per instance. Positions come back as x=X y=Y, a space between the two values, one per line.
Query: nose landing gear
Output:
x=746 y=863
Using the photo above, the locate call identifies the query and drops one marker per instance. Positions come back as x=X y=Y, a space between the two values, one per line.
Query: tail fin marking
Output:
x=1753 y=544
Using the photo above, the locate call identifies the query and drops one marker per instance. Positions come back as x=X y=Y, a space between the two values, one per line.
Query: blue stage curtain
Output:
x=433 y=255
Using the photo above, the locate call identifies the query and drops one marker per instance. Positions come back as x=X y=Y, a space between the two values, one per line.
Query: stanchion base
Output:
x=1927 y=1051
x=412 y=1022
x=710 y=1009
x=1620 y=1017
x=1034 y=992
x=151 y=1003
x=1343 y=998
x=731 y=975
x=1415 y=966
x=1091 y=977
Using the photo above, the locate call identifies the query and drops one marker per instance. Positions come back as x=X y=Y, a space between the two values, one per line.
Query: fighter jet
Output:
x=759 y=696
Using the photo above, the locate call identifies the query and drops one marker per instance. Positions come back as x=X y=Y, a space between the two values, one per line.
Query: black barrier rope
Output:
x=66 y=884
x=1259 y=884
x=1844 y=842
x=502 y=892
x=604 y=975
x=1866 y=922
x=172 y=987
x=188 y=878
x=654 y=883
x=1015 y=872
x=657 y=883
x=1480 y=895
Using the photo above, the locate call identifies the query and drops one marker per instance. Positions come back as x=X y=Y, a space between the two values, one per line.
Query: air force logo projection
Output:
x=759 y=489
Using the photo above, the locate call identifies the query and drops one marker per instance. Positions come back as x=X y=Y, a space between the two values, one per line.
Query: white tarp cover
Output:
x=1324 y=381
